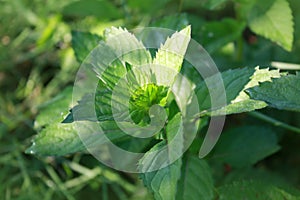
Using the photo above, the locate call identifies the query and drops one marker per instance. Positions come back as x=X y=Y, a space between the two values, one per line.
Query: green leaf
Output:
x=60 y=139
x=101 y=9
x=89 y=104
x=55 y=110
x=174 y=22
x=282 y=93
x=260 y=174
x=215 y=35
x=273 y=19
x=246 y=145
x=144 y=98
x=147 y=6
x=83 y=43
x=235 y=82
x=196 y=180
x=117 y=60
x=171 y=55
x=126 y=45
x=243 y=103
x=213 y=4
x=56 y=139
x=253 y=190
x=163 y=182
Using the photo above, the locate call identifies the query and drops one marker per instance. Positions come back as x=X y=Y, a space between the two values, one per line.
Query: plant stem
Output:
x=274 y=122
x=180 y=5
x=239 y=49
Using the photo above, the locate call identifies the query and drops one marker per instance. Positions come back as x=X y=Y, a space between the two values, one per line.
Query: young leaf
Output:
x=282 y=93
x=273 y=19
x=83 y=43
x=253 y=190
x=246 y=145
x=126 y=46
x=196 y=181
x=171 y=55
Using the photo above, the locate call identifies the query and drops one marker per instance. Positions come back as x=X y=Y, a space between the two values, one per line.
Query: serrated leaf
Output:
x=83 y=43
x=273 y=19
x=246 y=145
x=253 y=190
x=60 y=139
x=196 y=180
x=89 y=104
x=101 y=9
x=126 y=46
x=282 y=93
x=55 y=110
x=163 y=182
x=56 y=139
x=235 y=82
x=170 y=55
x=117 y=60
x=215 y=35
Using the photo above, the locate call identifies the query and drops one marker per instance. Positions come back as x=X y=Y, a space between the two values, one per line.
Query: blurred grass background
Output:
x=37 y=62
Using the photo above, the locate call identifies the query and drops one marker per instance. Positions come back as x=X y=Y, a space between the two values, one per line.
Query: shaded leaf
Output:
x=147 y=6
x=196 y=181
x=213 y=4
x=83 y=43
x=163 y=182
x=215 y=35
x=246 y=145
x=253 y=190
x=101 y=9
x=174 y=22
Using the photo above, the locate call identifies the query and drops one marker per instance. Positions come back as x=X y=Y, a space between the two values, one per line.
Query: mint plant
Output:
x=167 y=175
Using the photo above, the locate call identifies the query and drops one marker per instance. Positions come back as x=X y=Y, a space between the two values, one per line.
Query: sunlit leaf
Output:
x=273 y=19
x=282 y=93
